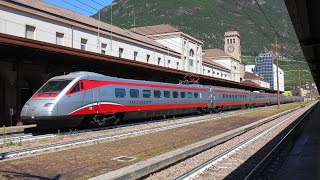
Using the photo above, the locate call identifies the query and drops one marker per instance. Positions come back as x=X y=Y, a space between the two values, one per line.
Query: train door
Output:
x=96 y=98
x=212 y=99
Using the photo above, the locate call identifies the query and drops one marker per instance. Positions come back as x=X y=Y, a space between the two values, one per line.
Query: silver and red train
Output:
x=86 y=98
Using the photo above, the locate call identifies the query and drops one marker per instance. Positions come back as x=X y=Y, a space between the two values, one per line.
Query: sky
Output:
x=85 y=7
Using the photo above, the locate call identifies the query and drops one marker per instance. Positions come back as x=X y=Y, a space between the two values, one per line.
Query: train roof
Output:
x=97 y=76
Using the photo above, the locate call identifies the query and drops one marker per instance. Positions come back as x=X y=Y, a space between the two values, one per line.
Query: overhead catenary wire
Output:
x=76 y=6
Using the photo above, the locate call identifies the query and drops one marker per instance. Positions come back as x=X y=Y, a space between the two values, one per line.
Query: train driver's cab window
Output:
x=134 y=93
x=146 y=93
x=175 y=94
x=120 y=93
x=196 y=95
x=157 y=94
x=183 y=94
x=189 y=94
x=76 y=88
x=166 y=94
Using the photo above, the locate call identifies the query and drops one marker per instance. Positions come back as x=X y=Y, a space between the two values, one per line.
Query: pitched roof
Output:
x=73 y=16
x=156 y=29
x=214 y=53
x=205 y=60
x=250 y=83
x=248 y=75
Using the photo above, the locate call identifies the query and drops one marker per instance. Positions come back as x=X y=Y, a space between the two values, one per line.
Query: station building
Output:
x=189 y=47
x=69 y=36
x=230 y=58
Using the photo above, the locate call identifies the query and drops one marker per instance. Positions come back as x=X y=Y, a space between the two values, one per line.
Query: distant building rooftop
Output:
x=248 y=76
x=215 y=53
x=249 y=83
x=156 y=29
x=205 y=60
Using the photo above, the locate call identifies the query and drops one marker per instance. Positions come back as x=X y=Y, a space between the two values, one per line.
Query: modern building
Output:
x=265 y=67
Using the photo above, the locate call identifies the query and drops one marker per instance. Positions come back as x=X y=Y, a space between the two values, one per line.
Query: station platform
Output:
x=304 y=159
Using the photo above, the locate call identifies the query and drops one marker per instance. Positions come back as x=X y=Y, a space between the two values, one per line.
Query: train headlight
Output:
x=47 y=105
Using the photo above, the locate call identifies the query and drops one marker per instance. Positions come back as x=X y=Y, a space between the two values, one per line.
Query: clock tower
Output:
x=232 y=44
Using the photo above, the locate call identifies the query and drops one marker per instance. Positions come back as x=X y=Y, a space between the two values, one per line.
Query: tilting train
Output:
x=91 y=99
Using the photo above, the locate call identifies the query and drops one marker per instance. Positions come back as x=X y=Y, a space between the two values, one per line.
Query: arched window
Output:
x=191 y=53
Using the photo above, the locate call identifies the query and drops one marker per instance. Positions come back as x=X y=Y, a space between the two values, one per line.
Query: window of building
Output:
x=59 y=38
x=30 y=32
x=175 y=94
x=190 y=63
x=234 y=40
x=191 y=53
x=209 y=71
x=157 y=93
x=227 y=41
x=120 y=93
x=166 y=94
x=148 y=58
x=169 y=61
x=135 y=54
x=84 y=44
x=134 y=93
x=120 y=52
x=189 y=94
x=183 y=94
x=146 y=93
x=177 y=65
x=159 y=61
x=103 y=48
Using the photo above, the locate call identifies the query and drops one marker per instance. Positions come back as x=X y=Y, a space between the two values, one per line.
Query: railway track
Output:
x=230 y=161
x=175 y=124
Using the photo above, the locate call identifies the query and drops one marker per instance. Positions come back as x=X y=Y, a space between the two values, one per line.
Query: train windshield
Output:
x=54 y=86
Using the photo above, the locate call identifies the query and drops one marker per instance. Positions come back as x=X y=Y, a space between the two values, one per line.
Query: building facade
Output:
x=48 y=23
x=225 y=60
x=189 y=47
x=265 y=67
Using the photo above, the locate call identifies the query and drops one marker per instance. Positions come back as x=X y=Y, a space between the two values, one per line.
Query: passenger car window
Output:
x=120 y=93
x=189 y=94
x=196 y=95
x=76 y=88
x=157 y=94
x=175 y=94
x=134 y=93
x=146 y=93
x=166 y=94
x=183 y=94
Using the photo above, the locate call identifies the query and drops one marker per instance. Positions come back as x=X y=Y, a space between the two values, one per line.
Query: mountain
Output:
x=207 y=20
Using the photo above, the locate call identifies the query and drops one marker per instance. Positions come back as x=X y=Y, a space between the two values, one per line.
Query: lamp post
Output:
x=278 y=93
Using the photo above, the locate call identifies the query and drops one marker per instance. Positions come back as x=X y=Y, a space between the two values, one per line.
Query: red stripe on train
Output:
x=44 y=95
x=113 y=108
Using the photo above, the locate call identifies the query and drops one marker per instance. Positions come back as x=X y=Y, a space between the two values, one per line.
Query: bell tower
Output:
x=232 y=44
